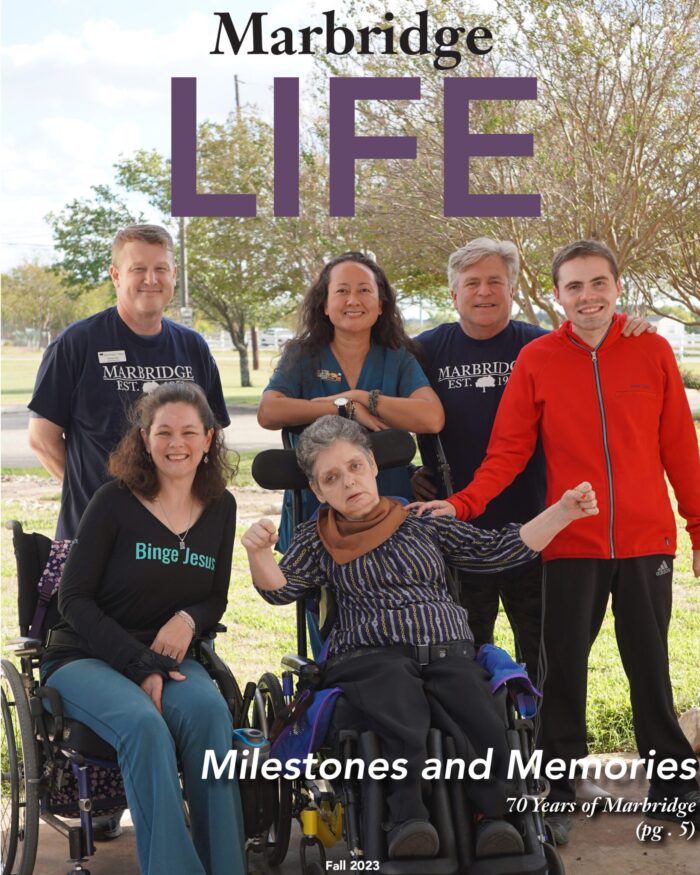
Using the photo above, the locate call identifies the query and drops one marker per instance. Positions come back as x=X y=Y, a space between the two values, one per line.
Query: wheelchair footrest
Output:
x=525 y=864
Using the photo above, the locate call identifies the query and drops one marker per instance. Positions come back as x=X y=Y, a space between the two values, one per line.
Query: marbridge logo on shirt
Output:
x=171 y=555
x=130 y=378
x=478 y=375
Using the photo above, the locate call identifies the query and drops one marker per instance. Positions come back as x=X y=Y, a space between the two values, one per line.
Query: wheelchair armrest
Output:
x=309 y=671
x=56 y=709
x=25 y=646
x=295 y=663
x=210 y=634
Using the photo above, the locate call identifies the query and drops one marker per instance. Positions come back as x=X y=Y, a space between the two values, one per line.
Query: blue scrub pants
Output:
x=195 y=718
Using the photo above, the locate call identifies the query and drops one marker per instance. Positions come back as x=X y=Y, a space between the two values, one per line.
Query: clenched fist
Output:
x=579 y=502
x=260 y=536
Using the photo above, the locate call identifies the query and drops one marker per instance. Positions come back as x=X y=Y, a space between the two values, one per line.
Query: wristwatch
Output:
x=342 y=405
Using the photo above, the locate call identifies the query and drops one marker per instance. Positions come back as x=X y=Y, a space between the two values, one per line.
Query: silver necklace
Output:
x=181 y=538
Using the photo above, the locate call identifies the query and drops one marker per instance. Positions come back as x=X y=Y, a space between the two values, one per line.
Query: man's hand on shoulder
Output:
x=434 y=508
x=636 y=325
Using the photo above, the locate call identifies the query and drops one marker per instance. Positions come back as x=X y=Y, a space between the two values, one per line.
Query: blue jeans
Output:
x=195 y=718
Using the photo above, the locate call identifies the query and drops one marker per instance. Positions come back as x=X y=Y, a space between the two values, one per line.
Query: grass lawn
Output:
x=20 y=365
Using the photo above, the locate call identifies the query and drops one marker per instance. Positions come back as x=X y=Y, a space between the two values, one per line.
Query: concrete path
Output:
x=244 y=433
x=606 y=842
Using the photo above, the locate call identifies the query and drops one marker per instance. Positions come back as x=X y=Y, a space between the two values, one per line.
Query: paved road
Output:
x=243 y=434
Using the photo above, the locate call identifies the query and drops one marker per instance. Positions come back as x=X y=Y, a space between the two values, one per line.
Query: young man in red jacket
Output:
x=617 y=412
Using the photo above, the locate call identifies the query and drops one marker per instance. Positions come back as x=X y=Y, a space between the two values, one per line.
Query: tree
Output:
x=83 y=233
x=38 y=298
x=240 y=273
x=617 y=142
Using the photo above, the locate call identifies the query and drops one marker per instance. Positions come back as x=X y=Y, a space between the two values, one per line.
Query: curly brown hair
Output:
x=315 y=330
x=132 y=465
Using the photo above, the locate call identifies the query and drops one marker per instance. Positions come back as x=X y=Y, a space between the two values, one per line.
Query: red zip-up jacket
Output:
x=617 y=417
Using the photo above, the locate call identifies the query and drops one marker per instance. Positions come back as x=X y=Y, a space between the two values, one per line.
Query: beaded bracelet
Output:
x=373 y=401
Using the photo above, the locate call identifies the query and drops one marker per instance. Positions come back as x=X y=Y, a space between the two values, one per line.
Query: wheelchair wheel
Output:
x=9 y=793
x=268 y=703
x=555 y=866
x=19 y=754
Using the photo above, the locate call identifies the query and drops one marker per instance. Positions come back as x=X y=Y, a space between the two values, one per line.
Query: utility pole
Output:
x=185 y=309
x=253 y=330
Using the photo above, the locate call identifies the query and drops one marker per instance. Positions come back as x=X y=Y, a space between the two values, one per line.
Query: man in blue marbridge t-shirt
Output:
x=468 y=364
x=94 y=371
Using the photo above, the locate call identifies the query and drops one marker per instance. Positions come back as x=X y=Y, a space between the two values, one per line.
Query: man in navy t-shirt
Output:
x=94 y=371
x=468 y=364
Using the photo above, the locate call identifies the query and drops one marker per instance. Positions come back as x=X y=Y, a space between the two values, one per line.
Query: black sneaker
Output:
x=497 y=838
x=558 y=826
x=677 y=809
x=104 y=829
x=414 y=838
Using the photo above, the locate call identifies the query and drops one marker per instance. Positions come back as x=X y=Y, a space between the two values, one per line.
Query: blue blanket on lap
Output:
x=308 y=733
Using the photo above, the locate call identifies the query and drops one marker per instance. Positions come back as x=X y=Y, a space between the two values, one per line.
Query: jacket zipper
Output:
x=606 y=449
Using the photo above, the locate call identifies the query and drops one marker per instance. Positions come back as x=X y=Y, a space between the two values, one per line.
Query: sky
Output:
x=84 y=83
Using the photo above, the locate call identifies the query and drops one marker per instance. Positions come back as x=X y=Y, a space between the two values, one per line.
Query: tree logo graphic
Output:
x=485 y=383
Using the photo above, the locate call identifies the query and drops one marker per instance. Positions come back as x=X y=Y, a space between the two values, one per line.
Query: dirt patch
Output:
x=254 y=503
x=30 y=494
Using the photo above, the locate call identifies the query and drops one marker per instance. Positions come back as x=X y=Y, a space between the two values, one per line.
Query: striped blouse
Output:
x=397 y=593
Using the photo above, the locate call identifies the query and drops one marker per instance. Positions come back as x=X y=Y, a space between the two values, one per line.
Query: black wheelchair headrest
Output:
x=278 y=469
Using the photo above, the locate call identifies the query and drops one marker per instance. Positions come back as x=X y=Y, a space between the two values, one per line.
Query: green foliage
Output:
x=148 y=173
x=37 y=298
x=691 y=380
x=616 y=128
x=83 y=233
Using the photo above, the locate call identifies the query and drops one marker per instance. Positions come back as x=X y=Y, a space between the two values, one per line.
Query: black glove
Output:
x=149 y=662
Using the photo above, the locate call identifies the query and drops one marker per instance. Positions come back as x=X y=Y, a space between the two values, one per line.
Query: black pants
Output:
x=400 y=700
x=520 y=590
x=575 y=599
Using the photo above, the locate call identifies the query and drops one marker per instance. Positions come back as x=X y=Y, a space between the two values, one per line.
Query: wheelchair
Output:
x=353 y=809
x=55 y=769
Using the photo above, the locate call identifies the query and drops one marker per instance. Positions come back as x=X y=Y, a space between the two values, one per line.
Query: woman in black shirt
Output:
x=149 y=567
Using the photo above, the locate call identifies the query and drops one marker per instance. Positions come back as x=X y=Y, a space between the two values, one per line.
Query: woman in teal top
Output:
x=351 y=357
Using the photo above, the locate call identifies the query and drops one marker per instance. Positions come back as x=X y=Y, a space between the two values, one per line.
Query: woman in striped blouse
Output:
x=402 y=650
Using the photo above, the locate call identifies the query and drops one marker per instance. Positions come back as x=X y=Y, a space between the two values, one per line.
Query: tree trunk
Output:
x=254 y=347
x=245 y=369
x=237 y=334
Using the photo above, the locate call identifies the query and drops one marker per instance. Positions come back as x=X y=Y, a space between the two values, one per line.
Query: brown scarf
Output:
x=345 y=539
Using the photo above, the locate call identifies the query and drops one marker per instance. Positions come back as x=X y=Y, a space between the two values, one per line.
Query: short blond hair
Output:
x=146 y=233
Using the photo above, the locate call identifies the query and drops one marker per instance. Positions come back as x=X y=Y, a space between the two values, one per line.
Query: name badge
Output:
x=112 y=355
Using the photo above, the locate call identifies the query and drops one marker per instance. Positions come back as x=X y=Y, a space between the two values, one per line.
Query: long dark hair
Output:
x=315 y=330
x=132 y=465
